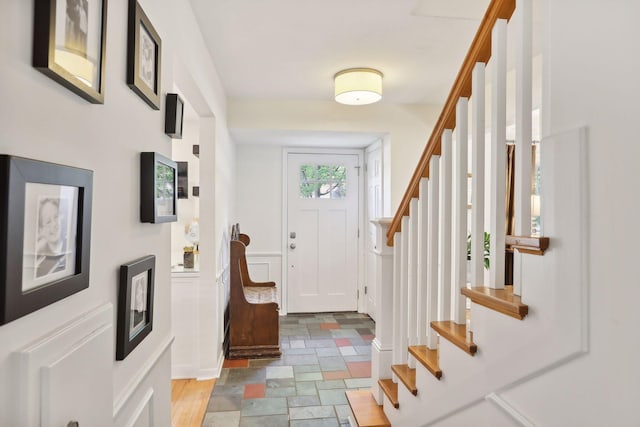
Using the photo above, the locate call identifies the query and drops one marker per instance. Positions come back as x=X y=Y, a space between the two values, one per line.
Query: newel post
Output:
x=382 y=345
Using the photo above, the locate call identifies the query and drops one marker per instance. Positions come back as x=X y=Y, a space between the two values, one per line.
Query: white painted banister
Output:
x=444 y=235
x=498 y=152
x=382 y=345
x=404 y=292
x=424 y=237
x=413 y=274
x=523 y=22
x=477 y=174
x=432 y=249
x=459 y=258
x=397 y=285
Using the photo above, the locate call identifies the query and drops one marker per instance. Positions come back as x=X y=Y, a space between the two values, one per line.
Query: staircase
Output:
x=450 y=345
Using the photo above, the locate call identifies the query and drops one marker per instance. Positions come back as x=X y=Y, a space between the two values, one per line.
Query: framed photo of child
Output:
x=135 y=304
x=45 y=240
x=51 y=215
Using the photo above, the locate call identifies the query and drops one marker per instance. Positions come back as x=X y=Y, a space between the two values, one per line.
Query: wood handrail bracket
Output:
x=480 y=51
x=528 y=244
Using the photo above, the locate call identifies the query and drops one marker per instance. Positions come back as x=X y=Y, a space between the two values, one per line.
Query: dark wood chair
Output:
x=253 y=310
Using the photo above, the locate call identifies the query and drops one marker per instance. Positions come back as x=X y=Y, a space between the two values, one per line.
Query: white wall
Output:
x=259 y=208
x=45 y=121
x=408 y=126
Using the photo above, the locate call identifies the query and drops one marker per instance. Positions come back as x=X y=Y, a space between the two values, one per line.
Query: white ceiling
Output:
x=290 y=49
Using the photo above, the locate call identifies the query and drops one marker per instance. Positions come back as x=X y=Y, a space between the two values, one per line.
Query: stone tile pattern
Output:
x=323 y=355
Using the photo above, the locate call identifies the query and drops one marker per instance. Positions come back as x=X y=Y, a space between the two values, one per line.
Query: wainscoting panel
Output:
x=266 y=267
x=66 y=375
x=143 y=415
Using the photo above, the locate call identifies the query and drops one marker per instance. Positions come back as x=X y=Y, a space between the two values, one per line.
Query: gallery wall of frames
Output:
x=93 y=89
x=48 y=206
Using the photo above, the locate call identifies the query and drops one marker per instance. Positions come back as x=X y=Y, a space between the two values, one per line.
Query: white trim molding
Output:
x=142 y=373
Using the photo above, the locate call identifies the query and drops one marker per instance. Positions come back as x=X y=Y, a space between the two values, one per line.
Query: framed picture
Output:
x=135 y=304
x=158 y=188
x=144 y=50
x=69 y=44
x=183 y=180
x=173 y=117
x=45 y=236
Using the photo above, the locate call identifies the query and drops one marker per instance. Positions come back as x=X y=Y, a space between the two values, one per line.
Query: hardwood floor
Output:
x=189 y=400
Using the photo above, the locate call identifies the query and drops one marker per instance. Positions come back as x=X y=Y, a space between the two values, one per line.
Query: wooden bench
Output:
x=253 y=310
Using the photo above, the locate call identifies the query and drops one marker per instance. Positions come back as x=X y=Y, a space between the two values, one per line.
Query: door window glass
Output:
x=323 y=181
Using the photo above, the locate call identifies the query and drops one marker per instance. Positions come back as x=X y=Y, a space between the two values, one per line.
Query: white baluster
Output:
x=397 y=287
x=459 y=258
x=524 y=107
x=423 y=238
x=412 y=285
x=477 y=175
x=432 y=249
x=498 y=151
x=404 y=291
x=444 y=235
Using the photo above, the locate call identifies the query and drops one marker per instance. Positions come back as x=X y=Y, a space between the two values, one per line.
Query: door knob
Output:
x=292 y=246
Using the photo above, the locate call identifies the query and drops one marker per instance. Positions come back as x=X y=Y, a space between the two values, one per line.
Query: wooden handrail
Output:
x=480 y=51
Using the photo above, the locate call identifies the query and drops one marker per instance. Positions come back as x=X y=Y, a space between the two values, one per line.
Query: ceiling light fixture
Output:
x=358 y=86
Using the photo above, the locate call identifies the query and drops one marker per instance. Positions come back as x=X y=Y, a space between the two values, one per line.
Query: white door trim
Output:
x=284 y=309
x=376 y=145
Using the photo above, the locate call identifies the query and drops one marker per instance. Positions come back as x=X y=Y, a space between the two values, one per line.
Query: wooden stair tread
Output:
x=407 y=375
x=500 y=300
x=366 y=410
x=390 y=389
x=528 y=244
x=455 y=333
x=428 y=358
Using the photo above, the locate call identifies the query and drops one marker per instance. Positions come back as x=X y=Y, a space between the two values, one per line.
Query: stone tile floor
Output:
x=322 y=356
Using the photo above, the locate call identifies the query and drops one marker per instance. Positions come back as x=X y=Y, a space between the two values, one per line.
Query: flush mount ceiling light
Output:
x=358 y=86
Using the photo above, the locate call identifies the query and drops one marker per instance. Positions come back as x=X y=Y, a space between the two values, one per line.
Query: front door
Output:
x=322 y=232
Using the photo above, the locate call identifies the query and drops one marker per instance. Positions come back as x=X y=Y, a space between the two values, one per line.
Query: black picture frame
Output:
x=183 y=180
x=174 y=113
x=135 y=304
x=144 y=56
x=158 y=188
x=72 y=56
x=45 y=234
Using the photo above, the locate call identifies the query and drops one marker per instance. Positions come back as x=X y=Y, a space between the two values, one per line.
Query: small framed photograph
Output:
x=174 y=108
x=135 y=304
x=158 y=188
x=144 y=49
x=183 y=180
x=69 y=44
x=45 y=234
